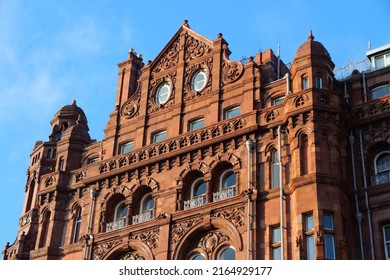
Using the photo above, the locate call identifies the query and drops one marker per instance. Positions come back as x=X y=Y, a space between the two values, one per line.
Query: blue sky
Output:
x=52 y=52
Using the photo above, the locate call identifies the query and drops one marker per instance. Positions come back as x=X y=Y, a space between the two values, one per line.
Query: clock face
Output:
x=163 y=93
x=198 y=80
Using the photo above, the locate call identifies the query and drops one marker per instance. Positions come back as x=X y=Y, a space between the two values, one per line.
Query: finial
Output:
x=219 y=35
x=185 y=23
x=74 y=102
x=311 y=37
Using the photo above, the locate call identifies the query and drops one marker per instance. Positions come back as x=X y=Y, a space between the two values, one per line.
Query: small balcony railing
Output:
x=195 y=202
x=381 y=178
x=224 y=194
x=143 y=217
x=117 y=224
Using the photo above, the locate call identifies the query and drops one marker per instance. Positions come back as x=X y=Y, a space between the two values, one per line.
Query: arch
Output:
x=134 y=246
x=193 y=236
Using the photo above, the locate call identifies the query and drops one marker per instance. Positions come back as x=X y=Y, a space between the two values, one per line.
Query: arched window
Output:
x=382 y=168
x=146 y=209
x=44 y=229
x=30 y=195
x=303 y=152
x=77 y=226
x=227 y=253
x=227 y=186
x=197 y=257
x=198 y=194
x=228 y=180
x=274 y=169
x=120 y=214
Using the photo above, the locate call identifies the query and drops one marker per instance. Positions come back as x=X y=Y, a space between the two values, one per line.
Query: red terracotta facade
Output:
x=191 y=169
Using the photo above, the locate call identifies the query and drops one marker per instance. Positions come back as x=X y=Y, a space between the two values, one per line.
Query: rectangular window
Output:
x=126 y=147
x=318 y=82
x=380 y=91
x=278 y=100
x=159 y=136
x=276 y=244
x=386 y=238
x=382 y=60
x=309 y=235
x=305 y=83
x=329 y=237
x=196 y=124
x=232 y=112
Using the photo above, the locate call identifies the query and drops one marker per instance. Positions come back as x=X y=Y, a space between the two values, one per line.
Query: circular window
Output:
x=198 y=81
x=163 y=93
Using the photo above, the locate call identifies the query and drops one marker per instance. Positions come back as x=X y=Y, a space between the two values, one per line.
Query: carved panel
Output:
x=154 y=84
x=211 y=240
x=180 y=229
x=130 y=108
x=196 y=48
x=150 y=238
x=169 y=59
x=234 y=215
x=231 y=71
x=131 y=256
x=100 y=250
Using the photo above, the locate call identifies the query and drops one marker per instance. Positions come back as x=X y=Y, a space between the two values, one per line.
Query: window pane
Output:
x=309 y=222
x=329 y=247
x=148 y=203
x=387 y=233
x=328 y=221
x=379 y=61
x=121 y=211
x=196 y=124
x=228 y=180
x=199 y=188
x=159 y=136
x=228 y=254
x=311 y=253
x=275 y=170
x=276 y=235
x=276 y=253
x=383 y=163
x=126 y=147
x=278 y=100
x=380 y=91
x=197 y=257
x=232 y=112
x=318 y=82
x=305 y=83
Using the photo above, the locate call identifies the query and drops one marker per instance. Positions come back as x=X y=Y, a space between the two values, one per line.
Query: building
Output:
x=208 y=158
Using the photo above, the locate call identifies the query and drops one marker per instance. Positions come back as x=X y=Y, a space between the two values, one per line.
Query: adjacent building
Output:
x=208 y=158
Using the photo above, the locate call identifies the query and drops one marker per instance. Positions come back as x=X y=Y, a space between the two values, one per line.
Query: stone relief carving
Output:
x=130 y=108
x=150 y=238
x=154 y=84
x=196 y=48
x=170 y=58
x=131 y=256
x=231 y=71
x=101 y=249
x=180 y=229
x=234 y=215
x=211 y=240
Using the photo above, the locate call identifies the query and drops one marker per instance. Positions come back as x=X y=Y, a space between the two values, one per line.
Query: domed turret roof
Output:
x=311 y=47
x=72 y=111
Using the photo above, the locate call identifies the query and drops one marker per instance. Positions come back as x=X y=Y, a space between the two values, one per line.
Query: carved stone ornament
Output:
x=154 y=85
x=188 y=94
x=231 y=71
x=170 y=58
x=150 y=238
x=131 y=256
x=180 y=229
x=101 y=249
x=211 y=240
x=130 y=108
x=196 y=48
x=235 y=215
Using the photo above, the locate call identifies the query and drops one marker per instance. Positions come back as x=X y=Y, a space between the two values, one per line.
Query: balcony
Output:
x=143 y=217
x=117 y=224
x=195 y=202
x=224 y=194
x=381 y=178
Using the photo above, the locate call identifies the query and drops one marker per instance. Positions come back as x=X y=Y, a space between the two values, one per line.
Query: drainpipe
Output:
x=89 y=228
x=358 y=213
x=287 y=84
x=281 y=193
x=366 y=195
x=364 y=87
x=249 y=146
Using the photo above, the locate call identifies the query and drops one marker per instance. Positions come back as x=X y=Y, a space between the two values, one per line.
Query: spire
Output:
x=311 y=37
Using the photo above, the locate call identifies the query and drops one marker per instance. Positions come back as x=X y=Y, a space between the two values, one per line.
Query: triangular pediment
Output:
x=185 y=39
